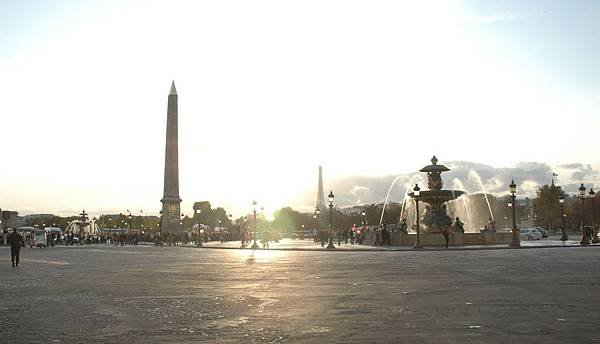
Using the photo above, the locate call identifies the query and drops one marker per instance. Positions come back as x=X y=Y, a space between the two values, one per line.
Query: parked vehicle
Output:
x=530 y=234
x=542 y=231
x=39 y=238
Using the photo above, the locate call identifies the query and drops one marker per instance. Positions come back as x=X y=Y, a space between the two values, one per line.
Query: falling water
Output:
x=406 y=188
x=386 y=197
x=457 y=184
x=411 y=210
x=474 y=174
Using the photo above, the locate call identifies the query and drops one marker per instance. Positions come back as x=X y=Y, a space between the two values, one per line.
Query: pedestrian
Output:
x=265 y=239
x=446 y=232
x=16 y=242
x=385 y=235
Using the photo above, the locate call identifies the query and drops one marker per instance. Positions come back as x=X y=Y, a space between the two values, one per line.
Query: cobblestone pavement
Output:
x=144 y=294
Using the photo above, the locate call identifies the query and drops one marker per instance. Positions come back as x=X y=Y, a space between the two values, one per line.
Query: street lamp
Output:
x=243 y=233
x=220 y=230
x=160 y=213
x=592 y=195
x=330 y=245
x=364 y=218
x=513 y=195
x=316 y=217
x=561 y=201
x=229 y=226
x=584 y=238
x=255 y=244
x=416 y=194
x=197 y=216
x=130 y=222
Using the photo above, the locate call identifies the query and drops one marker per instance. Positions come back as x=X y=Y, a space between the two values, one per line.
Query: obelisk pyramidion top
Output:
x=173 y=91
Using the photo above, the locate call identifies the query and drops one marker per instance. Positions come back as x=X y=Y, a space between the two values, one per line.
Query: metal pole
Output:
x=564 y=236
x=255 y=244
x=199 y=233
x=330 y=245
x=515 y=239
x=418 y=243
x=595 y=239
x=584 y=238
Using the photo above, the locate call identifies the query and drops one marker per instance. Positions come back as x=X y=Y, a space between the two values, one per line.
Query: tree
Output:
x=205 y=212
x=286 y=219
x=220 y=215
x=547 y=207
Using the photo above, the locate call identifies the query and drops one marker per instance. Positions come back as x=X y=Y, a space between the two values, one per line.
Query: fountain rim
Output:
x=433 y=195
x=434 y=168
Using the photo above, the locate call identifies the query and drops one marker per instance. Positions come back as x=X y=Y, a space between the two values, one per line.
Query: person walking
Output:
x=385 y=236
x=446 y=232
x=16 y=242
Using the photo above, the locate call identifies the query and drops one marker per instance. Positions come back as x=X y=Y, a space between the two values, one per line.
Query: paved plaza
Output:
x=144 y=294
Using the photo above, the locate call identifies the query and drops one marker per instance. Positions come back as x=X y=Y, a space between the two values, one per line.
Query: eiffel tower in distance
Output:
x=320 y=194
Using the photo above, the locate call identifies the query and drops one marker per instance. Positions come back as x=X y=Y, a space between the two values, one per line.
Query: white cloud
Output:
x=268 y=91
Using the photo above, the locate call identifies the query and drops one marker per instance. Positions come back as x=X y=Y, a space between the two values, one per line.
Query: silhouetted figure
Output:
x=447 y=231
x=385 y=236
x=403 y=227
x=459 y=226
x=492 y=224
x=16 y=242
x=265 y=239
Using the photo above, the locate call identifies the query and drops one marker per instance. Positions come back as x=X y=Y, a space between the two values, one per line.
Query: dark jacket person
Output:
x=16 y=241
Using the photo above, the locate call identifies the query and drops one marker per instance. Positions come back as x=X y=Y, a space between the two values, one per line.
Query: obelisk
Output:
x=170 y=220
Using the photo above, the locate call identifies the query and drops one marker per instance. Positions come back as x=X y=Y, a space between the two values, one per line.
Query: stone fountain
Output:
x=436 y=215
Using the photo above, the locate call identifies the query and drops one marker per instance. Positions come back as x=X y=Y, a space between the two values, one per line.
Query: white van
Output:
x=39 y=238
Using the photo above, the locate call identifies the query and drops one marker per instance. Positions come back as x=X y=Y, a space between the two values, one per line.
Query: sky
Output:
x=270 y=90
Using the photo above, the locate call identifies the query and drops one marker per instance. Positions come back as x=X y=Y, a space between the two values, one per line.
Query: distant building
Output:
x=525 y=212
x=11 y=219
x=28 y=220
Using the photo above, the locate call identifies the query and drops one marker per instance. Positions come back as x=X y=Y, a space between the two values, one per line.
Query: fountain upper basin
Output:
x=437 y=196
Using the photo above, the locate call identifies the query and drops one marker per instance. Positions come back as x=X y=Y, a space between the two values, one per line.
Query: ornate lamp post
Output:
x=255 y=244
x=516 y=242
x=592 y=195
x=130 y=217
x=561 y=201
x=244 y=235
x=160 y=215
x=229 y=226
x=364 y=218
x=416 y=193
x=181 y=225
x=197 y=216
x=584 y=238
x=330 y=245
x=220 y=230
